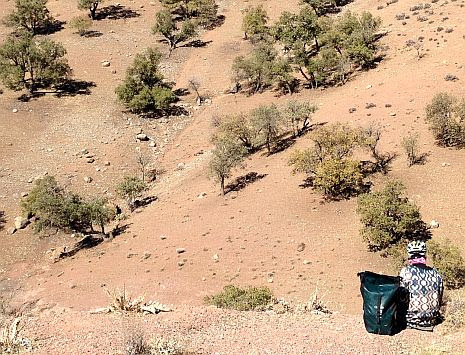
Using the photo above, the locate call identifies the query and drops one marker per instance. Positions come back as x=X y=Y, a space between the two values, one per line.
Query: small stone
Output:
x=146 y=255
x=72 y=286
x=216 y=258
x=392 y=114
x=270 y=280
x=202 y=195
x=106 y=63
x=90 y=160
x=107 y=163
x=451 y=77
x=180 y=250
x=163 y=237
x=300 y=247
x=181 y=263
x=87 y=179
x=21 y=222
x=152 y=144
x=142 y=137
x=352 y=110
x=12 y=230
x=181 y=166
x=15 y=110
x=306 y=262
x=24 y=194
x=434 y=224
x=130 y=255
x=368 y=86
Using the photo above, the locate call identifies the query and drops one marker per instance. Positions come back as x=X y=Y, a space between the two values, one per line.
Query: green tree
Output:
x=204 y=11
x=254 y=23
x=81 y=24
x=267 y=122
x=338 y=178
x=262 y=69
x=446 y=117
x=389 y=218
x=169 y=29
x=90 y=5
x=130 y=189
x=226 y=155
x=100 y=213
x=239 y=128
x=25 y=62
x=298 y=116
x=30 y=15
x=144 y=88
x=321 y=7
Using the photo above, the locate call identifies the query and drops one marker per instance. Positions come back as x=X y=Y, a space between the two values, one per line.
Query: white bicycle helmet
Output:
x=416 y=249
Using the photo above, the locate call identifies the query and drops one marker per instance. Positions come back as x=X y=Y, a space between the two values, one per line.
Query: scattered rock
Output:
x=142 y=137
x=181 y=166
x=87 y=179
x=434 y=224
x=181 y=263
x=11 y=230
x=106 y=63
x=180 y=250
x=146 y=255
x=21 y=222
x=451 y=77
x=300 y=247
x=202 y=195
x=306 y=262
x=216 y=258
x=352 y=110
x=152 y=144
x=370 y=105
x=90 y=160
x=392 y=114
x=400 y=16
x=163 y=237
x=107 y=163
x=130 y=255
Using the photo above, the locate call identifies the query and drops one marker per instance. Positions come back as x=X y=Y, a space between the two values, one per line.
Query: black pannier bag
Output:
x=385 y=303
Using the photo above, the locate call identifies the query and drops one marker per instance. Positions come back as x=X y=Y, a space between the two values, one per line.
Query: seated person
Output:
x=425 y=287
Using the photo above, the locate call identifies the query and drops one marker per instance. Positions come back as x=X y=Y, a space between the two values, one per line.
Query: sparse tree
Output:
x=31 y=64
x=298 y=116
x=194 y=84
x=144 y=88
x=389 y=218
x=226 y=155
x=29 y=15
x=239 y=128
x=262 y=69
x=446 y=117
x=100 y=213
x=169 y=29
x=130 y=189
x=90 y=5
x=410 y=145
x=267 y=122
x=81 y=24
x=320 y=7
x=204 y=11
x=254 y=23
x=143 y=161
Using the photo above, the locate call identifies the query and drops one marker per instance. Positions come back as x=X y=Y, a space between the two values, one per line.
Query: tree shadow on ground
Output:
x=51 y=27
x=116 y=12
x=174 y=110
x=92 y=34
x=243 y=181
x=144 y=202
x=198 y=43
x=181 y=92
x=217 y=23
x=2 y=220
x=381 y=165
x=286 y=140
x=69 y=88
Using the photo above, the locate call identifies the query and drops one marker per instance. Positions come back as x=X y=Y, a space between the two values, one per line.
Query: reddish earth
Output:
x=255 y=232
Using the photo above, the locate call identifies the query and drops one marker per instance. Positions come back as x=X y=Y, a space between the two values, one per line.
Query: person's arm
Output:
x=405 y=278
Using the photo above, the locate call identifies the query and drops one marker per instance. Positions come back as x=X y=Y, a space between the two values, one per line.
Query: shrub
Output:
x=30 y=15
x=446 y=119
x=262 y=69
x=52 y=206
x=166 y=26
x=254 y=23
x=136 y=344
x=167 y=346
x=204 y=11
x=266 y=121
x=389 y=218
x=455 y=311
x=238 y=128
x=25 y=62
x=241 y=299
x=130 y=189
x=410 y=145
x=226 y=155
x=447 y=258
x=298 y=116
x=90 y=5
x=338 y=177
x=81 y=24
x=144 y=88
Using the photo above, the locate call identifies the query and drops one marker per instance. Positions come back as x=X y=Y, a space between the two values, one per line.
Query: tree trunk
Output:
x=303 y=74
x=317 y=44
x=222 y=185
x=93 y=11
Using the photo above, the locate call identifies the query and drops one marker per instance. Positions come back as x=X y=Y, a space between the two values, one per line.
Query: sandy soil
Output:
x=255 y=231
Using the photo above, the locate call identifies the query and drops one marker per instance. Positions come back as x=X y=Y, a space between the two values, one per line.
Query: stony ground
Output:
x=248 y=237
